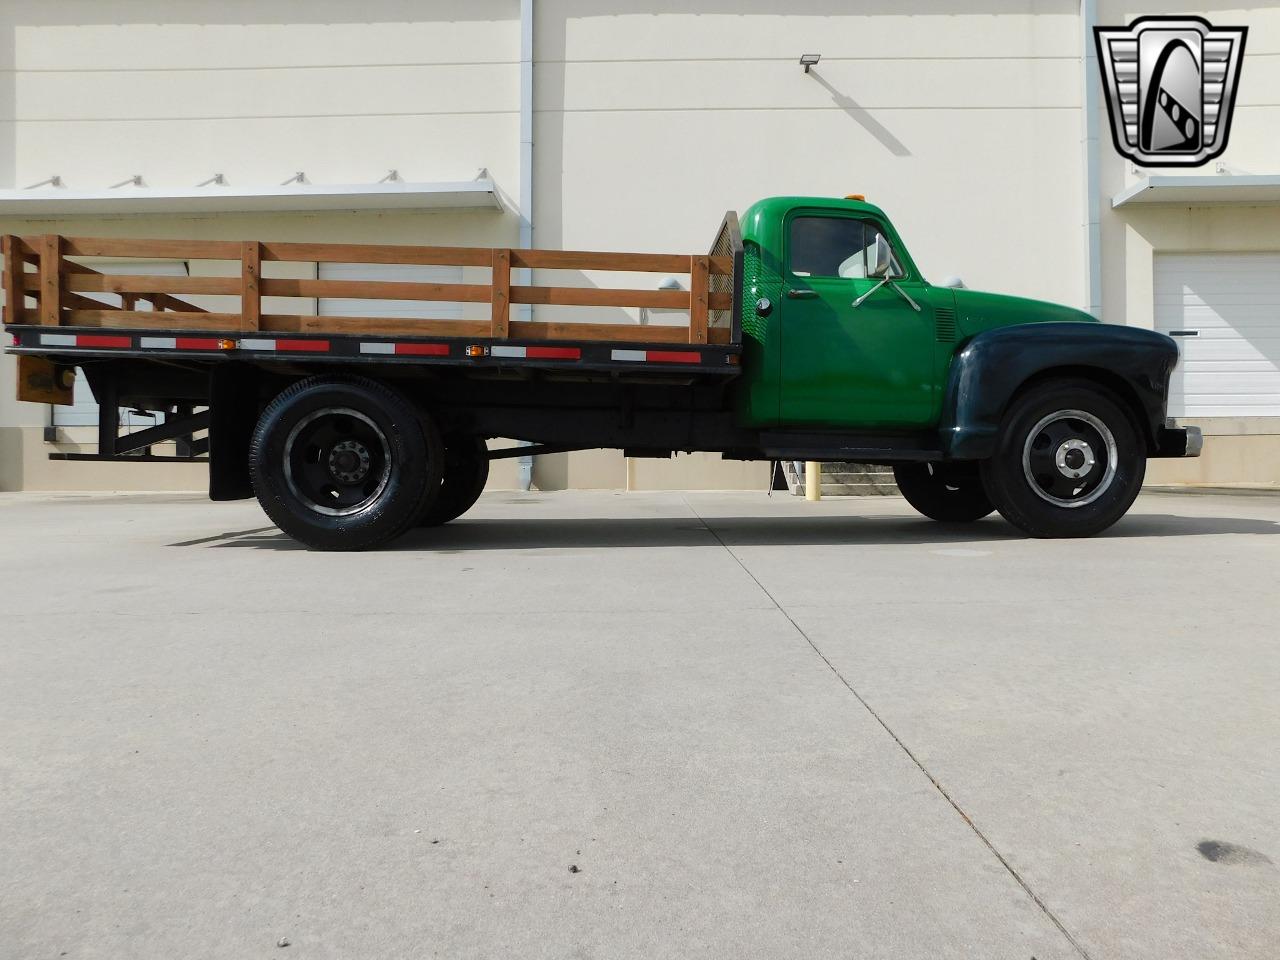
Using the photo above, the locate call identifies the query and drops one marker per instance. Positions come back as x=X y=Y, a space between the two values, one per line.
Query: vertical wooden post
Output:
x=250 y=298
x=50 y=280
x=699 y=292
x=501 y=296
x=15 y=296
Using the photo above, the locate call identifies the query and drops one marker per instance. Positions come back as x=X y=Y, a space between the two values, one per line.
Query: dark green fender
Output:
x=991 y=368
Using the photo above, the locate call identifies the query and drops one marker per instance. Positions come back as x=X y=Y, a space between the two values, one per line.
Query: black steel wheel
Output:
x=949 y=492
x=344 y=463
x=1069 y=461
x=466 y=470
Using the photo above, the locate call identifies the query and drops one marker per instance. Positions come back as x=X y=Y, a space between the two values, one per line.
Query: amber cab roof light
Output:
x=856 y=196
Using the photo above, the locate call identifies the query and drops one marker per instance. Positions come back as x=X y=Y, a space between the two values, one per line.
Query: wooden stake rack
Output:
x=46 y=271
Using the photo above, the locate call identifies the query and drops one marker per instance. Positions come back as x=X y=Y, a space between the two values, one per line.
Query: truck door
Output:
x=853 y=355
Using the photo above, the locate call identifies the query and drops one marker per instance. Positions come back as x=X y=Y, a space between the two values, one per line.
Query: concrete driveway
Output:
x=639 y=725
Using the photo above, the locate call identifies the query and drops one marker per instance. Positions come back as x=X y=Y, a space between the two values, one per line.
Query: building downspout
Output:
x=524 y=465
x=1089 y=144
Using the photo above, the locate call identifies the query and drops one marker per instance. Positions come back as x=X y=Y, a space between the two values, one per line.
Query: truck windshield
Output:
x=834 y=247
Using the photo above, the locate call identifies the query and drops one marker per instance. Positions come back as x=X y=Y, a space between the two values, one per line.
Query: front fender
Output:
x=989 y=370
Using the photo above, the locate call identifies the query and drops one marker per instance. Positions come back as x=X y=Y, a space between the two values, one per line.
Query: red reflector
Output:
x=194 y=343
x=673 y=356
x=552 y=353
x=98 y=340
x=303 y=346
x=422 y=349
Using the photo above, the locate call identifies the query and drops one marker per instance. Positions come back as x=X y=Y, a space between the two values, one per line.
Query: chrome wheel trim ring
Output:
x=1108 y=439
x=288 y=461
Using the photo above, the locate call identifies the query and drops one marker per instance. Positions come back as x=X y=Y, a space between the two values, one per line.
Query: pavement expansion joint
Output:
x=1004 y=862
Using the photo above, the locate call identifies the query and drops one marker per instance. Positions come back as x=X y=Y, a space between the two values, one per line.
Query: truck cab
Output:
x=830 y=341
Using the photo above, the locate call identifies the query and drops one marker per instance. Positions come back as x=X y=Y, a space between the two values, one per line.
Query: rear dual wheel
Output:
x=345 y=463
x=466 y=471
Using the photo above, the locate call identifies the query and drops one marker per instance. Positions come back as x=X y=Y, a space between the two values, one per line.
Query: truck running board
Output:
x=855 y=448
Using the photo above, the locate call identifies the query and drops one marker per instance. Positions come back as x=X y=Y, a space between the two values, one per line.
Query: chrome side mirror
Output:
x=881 y=257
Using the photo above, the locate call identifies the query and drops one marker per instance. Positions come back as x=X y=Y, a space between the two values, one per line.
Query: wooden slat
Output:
x=76 y=302
x=501 y=293
x=699 y=294
x=70 y=266
x=114 y=283
x=410 y=326
x=15 y=287
x=50 y=279
x=543 y=330
x=152 y=320
x=29 y=247
x=152 y=249
x=592 y=260
x=377 y=290
x=250 y=272
x=598 y=297
x=722 y=265
x=376 y=253
x=90 y=281
x=162 y=301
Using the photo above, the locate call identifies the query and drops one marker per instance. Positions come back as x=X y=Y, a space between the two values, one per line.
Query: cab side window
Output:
x=833 y=247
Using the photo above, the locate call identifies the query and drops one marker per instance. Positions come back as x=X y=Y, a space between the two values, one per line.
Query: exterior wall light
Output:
x=808 y=60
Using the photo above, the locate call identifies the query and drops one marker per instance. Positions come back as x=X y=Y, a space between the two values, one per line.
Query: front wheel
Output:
x=949 y=492
x=344 y=463
x=1069 y=461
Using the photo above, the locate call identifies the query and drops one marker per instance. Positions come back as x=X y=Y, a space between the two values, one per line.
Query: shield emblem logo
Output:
x=1171 y=86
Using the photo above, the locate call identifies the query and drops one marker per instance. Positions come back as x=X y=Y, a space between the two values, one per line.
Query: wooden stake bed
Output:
x=51 y=310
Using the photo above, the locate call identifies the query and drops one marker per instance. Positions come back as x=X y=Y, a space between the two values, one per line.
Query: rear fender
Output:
x=990 y=370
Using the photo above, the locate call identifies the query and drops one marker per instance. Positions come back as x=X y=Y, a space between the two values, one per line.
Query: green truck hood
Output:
x=977 y=311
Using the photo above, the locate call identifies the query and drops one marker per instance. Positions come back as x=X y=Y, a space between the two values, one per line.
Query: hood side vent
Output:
x=945 y=319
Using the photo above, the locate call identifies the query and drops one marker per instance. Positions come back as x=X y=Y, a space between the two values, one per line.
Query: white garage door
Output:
x=394 y=272
x=1224 y=311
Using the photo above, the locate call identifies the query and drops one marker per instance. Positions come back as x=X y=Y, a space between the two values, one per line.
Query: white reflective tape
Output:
x=506 y=351
x=377 y=348
x=158 y=343
x=58 y=339
x=257 y=344
x=635 y=355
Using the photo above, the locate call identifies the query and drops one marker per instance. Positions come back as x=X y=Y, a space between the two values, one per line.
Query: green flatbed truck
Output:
x=812 y=335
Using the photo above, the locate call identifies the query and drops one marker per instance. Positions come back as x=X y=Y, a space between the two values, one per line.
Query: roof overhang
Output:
x=58 y=201
x=1202 y=191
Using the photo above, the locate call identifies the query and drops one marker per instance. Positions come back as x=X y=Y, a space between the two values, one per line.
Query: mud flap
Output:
x=233 y=413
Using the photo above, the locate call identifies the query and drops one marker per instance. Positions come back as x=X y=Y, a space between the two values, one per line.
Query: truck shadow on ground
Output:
x=516 y=533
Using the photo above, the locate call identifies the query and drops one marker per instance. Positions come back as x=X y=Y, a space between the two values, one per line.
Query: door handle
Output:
x=794 y=294
x=1184 y=333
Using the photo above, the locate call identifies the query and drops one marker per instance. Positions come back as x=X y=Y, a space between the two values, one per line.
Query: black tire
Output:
x=344 y=463
x=948 y=492
x=466 y=471
x=1069 y=460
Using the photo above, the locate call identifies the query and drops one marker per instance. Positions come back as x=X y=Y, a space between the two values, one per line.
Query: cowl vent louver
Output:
x=945 y=318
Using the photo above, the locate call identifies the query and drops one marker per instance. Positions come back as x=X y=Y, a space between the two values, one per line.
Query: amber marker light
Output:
x=226 y=344
x=475 y=351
